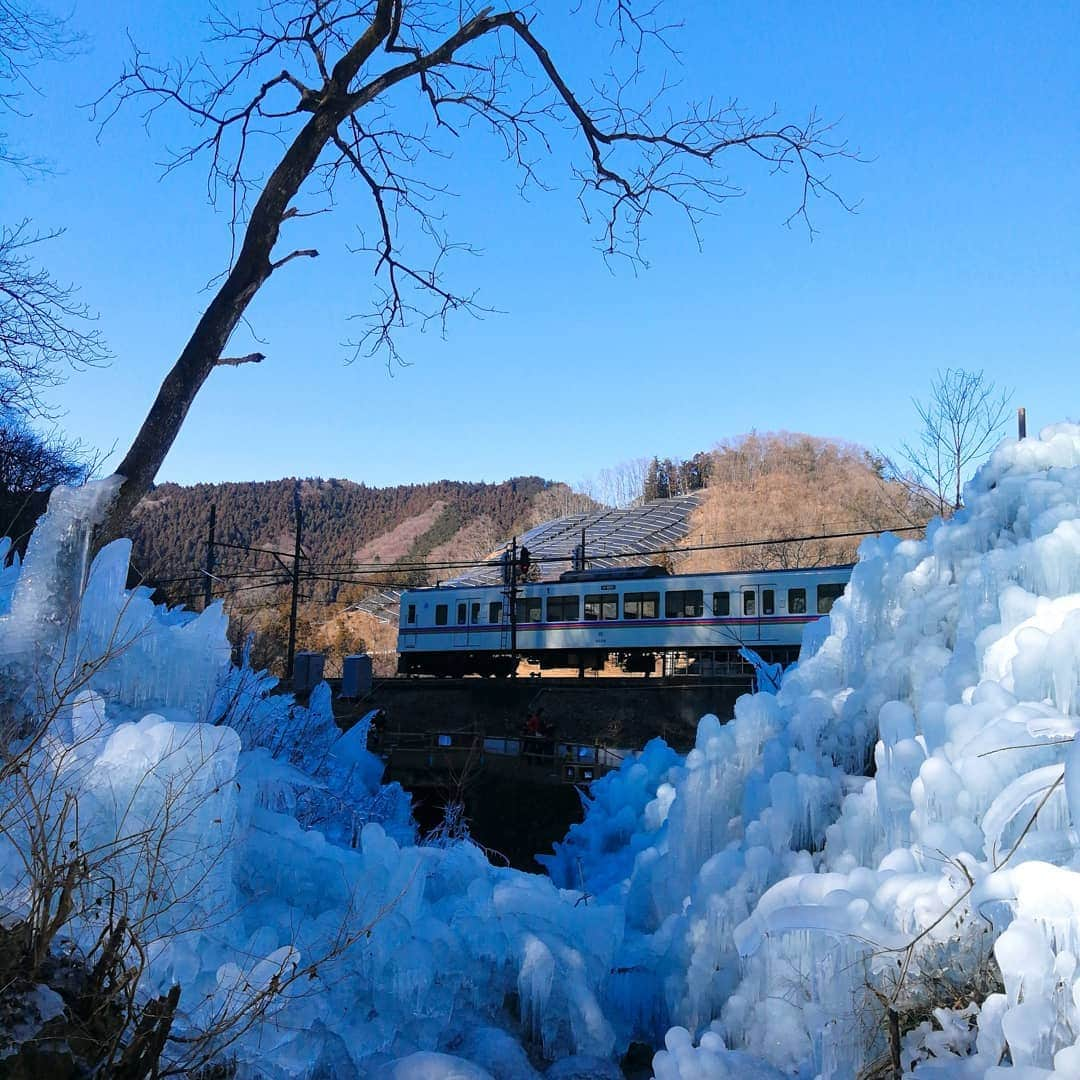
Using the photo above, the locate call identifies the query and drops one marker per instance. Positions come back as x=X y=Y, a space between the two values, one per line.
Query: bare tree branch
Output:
x=44 y=330
x=306 y=253
x=236 y=361
x=29 y=36
x=327 y=81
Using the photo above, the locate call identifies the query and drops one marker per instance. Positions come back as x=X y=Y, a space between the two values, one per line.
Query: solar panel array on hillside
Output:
x=612 y=538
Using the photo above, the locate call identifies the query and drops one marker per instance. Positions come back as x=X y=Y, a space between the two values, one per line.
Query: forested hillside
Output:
x=344 y=522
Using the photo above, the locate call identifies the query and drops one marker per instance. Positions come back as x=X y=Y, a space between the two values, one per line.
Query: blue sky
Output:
x=964 y=251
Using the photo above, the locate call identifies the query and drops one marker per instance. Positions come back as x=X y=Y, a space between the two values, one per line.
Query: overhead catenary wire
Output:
x=347 y=574
x=673 y=548
x=670 y=549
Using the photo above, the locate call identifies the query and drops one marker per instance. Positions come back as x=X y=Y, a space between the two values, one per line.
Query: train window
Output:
x=768 y=601
x=440 y=614
x=602 y=606
x=796 y=601
x=686 y=604
x=495 y=611
x=461 y=610
x=721 y=603
x=827 y=595
x=529 y=609
x=749 y=602
x=563 y=608
x=641 y=605
x=475 y=613
x=411 y=618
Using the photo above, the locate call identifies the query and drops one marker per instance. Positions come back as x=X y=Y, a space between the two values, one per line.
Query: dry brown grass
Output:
x=348 y=632
x=398 y=541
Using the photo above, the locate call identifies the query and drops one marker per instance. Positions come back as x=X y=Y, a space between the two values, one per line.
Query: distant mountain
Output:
x=343 y=522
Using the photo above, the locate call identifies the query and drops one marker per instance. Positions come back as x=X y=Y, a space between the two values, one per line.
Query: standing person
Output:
x=533 y=723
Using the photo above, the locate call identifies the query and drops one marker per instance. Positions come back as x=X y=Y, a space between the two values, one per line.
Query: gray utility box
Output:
x=356 y=675
x=307 y=671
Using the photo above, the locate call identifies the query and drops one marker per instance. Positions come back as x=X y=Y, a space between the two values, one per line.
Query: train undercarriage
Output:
x=718 y=662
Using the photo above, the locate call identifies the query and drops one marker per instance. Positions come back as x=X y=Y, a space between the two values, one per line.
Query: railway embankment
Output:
x=518 y=805
x=619 y=712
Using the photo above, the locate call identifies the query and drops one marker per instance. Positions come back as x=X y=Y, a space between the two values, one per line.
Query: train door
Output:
x=758 y=613
x=461 y=624
x=476 y=610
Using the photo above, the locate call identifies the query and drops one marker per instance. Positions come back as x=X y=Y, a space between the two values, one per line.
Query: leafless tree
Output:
x=33 y=462
x=327 y=79
x=44 y=329
x=29 y=36
x=619 y=485
x=624 y=483
x=961 y=421
x=557 y=501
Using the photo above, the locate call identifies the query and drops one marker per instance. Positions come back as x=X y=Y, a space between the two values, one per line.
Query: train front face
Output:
x=455 y=630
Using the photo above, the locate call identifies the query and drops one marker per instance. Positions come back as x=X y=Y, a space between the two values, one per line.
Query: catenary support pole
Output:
x=581 y=656
x=295 y=586
x=208 y=584
x=513 y=607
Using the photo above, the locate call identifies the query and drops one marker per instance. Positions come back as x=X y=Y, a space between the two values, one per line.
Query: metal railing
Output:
x=569 y=762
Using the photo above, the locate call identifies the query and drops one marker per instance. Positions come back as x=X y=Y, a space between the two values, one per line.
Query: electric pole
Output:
x=208 y=584
x=295 y=586
x=581 y=656
x=513 y=606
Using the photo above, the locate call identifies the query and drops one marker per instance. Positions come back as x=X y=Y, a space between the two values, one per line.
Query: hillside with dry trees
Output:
x=783 y=485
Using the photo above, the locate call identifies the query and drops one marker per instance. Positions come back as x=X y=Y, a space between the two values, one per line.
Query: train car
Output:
x=629 y=614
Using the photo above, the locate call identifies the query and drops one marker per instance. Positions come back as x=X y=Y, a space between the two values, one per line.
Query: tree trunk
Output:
x=251 y=270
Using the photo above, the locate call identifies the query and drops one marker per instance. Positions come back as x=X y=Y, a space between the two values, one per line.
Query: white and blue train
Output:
x=629 y=614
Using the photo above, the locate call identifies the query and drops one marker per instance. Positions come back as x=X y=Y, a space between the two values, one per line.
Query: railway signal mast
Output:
x=514 y=562
x=512 y=606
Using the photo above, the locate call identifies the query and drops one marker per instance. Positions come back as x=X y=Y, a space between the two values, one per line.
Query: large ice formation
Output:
x=785 y=905
x=253 y=850
x=889 y=842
